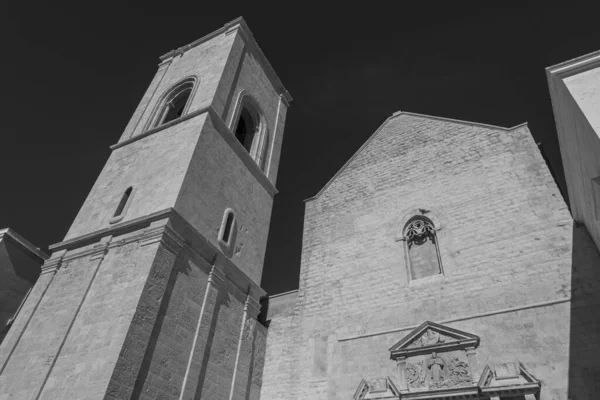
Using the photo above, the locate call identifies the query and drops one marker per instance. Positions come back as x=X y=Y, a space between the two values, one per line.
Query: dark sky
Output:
x=72 y=76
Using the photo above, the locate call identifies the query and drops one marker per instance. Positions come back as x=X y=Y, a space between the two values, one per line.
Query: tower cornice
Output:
x=226 y=134
x=238 y=24
x=170 y=227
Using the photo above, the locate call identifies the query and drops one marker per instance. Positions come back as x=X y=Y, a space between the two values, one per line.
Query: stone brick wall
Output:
x=193 y=165
x=130 y=316
x=155 y=166
x=216 y=180
x=252 y=80
x=68 y=340
x=149 y=306
x=206 y=61
x=511 y=255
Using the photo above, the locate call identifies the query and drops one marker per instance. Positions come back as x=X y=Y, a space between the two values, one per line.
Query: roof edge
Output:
x=238 y=23
x=24 y=243
x=575 y=65
x=398 y=114
x=289 y=292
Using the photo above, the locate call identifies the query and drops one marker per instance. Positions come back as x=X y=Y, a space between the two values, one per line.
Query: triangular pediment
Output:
x=379 y=388
x=429 y=337
x=509 y=378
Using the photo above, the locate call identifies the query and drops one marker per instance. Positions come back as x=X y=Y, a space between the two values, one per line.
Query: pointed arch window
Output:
x=250 y=130
x=174 y=104
x=422 y=249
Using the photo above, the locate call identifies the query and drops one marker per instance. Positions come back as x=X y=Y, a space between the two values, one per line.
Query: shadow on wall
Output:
x=222 y=300
x=181 y=267
x=584 y=347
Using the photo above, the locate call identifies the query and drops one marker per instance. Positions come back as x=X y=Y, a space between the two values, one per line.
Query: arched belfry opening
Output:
x=250 y=130
x=174 y=104
x=174 y=108
x=246 y=129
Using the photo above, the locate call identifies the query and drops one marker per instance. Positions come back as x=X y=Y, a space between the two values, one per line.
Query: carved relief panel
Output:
x=435 y=357
x=436 y=361
x=436 y=371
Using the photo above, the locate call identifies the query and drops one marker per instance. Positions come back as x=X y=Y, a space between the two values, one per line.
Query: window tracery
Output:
x=421 y=247
x=419 y=231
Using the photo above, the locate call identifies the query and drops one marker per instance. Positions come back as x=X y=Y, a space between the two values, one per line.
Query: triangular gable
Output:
x=385 y=123
x=379 y=388
x=429 y=337
x=508 y=379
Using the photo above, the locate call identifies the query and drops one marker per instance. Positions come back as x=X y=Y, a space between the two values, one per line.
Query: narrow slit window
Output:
x=228 y=226
x=123 y=202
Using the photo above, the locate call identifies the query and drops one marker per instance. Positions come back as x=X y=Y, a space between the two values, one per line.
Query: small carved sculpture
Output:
x=416 y=375
x=430 y=337
x=459 y=373
x=437 y=372
x=437 y=368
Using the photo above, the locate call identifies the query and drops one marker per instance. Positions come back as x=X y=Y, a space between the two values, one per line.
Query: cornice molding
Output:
x=217 y=277
x=23 y=243
x=462 y=318
x=162 y=127
x=114 y=230
x=252 y=306
x=164 y=235
x=53 y=263
x=225 y=133
x=237 y=25
x=575 y=66
x=175 y=233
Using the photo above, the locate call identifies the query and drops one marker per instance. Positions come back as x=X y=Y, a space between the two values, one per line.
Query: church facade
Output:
x=441 y=262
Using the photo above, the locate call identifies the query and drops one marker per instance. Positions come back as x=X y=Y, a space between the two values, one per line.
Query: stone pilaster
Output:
x=472 y=357
x=401 y=363
x=216 y=283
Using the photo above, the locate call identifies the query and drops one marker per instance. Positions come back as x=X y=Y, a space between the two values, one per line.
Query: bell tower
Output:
x=154 y=292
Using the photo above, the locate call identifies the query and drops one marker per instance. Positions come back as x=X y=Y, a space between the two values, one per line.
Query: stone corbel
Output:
x=52 y=264
x=252 y=307
x=99 y=250
x=167 y=237
x=217 y=277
